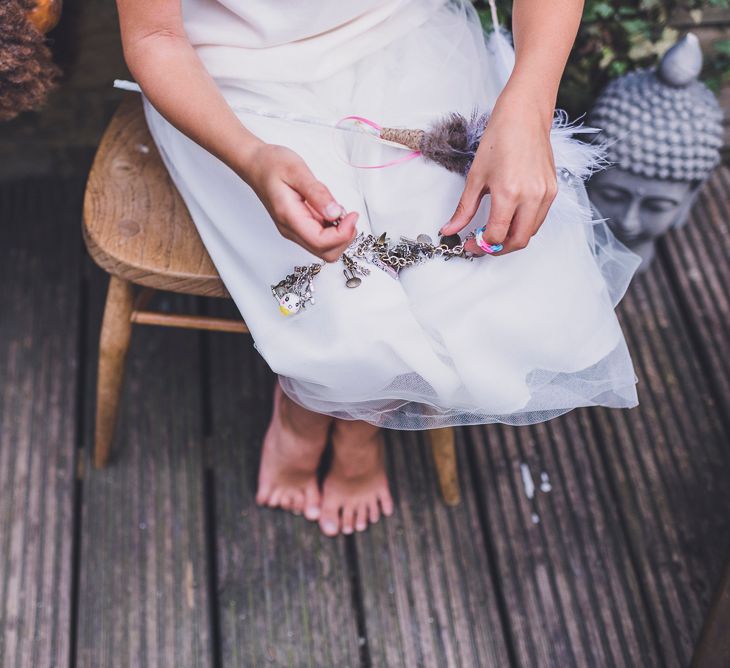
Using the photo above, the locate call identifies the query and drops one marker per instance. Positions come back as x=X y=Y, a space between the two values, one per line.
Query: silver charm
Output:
x=296 y=290
x=376 y=261
x=352 y=271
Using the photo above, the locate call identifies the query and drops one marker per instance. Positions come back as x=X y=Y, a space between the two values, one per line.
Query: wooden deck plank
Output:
x=284 y=591
x=143 y=599
x=425 y=574
x=670 y=468
x=563 y=563
x=39 y=316
x=697 y=258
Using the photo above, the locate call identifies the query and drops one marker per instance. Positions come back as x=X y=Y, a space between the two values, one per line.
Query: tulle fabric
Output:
x=516 y=339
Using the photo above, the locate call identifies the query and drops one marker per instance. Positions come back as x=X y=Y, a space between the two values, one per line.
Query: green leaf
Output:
x=603 y=9
x=722 y=46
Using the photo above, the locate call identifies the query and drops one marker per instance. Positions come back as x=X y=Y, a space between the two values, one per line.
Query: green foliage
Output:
x=617 y=36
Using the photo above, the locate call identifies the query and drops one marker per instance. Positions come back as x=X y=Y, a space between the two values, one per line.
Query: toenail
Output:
x=313 y=513
x=347 y=530
x=330 y=527
x=361 y=527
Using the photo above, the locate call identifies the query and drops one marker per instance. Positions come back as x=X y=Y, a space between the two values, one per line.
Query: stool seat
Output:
x=136 y=225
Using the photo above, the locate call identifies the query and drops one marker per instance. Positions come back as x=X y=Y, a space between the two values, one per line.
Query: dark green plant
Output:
x=617 y=36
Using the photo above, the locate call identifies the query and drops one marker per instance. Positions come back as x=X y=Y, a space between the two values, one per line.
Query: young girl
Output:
x=516 y=335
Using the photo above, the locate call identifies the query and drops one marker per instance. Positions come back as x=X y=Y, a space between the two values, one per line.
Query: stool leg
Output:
x=444 y=455
x=116 y=331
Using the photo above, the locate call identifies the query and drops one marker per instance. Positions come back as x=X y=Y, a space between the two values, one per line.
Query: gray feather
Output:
x=452 y=141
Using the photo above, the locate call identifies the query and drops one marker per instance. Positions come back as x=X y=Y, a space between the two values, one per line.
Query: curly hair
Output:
x=27 y=71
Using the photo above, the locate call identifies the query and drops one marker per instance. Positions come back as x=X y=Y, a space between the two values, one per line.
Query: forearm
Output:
x=175 y=81
x=544 y=32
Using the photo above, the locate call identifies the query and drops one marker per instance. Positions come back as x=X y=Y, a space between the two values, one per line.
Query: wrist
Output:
x=530 y=98
x=246 y=155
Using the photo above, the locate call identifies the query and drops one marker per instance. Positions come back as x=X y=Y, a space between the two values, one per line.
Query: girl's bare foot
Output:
x=292 y=449
x=355 y=491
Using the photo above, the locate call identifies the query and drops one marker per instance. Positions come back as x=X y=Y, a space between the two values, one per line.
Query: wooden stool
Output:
x=137 y=228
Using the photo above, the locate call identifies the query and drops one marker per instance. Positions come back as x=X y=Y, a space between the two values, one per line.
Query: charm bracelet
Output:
x=295 y=291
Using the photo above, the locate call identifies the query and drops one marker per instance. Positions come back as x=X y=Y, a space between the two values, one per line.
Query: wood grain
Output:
x=562 y=562
x=670 y=469
x=425 y=575
x=39 y=328
x=136 y=225
x=143 y=595
x=698 y=274
x=443 y=451
x=116 y=333
x=186 y=321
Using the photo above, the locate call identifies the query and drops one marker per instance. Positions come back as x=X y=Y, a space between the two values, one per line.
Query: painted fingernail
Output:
x=330 y=527
x=333 y=210
x=313 y=513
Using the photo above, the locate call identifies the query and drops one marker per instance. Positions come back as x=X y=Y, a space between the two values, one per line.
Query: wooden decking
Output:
x=164 y=560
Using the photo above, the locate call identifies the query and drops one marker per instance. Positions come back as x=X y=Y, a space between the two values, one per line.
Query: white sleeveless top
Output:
x=295 y=40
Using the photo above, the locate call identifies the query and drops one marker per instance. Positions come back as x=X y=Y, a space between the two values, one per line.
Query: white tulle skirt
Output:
x=517 y=339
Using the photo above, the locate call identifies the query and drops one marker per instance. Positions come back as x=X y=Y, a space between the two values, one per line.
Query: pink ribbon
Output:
x=378 y=128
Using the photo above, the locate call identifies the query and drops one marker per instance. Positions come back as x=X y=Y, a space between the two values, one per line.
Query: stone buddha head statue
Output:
x=662 y=129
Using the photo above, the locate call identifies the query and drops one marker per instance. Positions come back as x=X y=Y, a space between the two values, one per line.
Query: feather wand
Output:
x=451 y=141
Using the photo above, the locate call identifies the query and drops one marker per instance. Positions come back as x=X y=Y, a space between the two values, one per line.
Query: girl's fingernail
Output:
x=333 y=210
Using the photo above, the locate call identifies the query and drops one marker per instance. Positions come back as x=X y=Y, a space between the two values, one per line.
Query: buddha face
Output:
x=640 y=209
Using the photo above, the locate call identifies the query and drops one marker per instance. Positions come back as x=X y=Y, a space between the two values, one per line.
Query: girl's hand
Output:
x=514 y=164
x=299 y=204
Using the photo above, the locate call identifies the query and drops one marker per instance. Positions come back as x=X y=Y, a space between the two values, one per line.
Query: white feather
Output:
x=582 y=158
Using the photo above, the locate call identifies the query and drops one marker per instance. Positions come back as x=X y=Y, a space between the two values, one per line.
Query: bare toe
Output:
x=274 y=498
x=297 y=503
x=329 y=522
x=348 y=519
x=373 y=511
x=262 y=495
x=361 y=517
x=312 y=501
x=386 y=503
x=286 y=501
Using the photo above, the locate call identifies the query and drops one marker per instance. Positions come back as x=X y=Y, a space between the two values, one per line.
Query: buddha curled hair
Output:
x=27 y=71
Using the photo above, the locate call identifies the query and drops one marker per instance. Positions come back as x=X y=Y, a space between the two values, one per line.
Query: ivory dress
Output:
x=517 y=339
